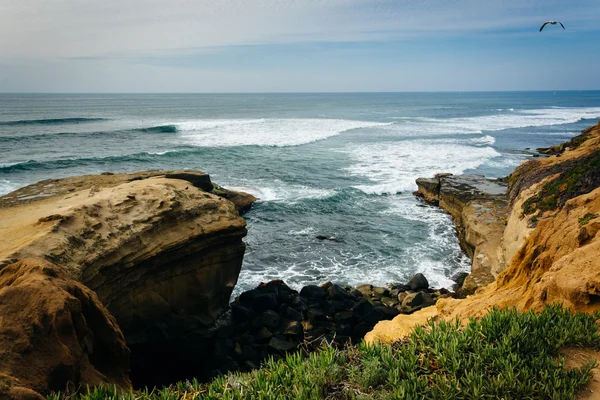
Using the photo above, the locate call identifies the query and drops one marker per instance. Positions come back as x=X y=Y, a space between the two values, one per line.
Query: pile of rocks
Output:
x=274 y=319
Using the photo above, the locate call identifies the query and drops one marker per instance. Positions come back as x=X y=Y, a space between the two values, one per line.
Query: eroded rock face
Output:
x=54 y=332
x=556 y=259
x=478 y=207
x=161 y=251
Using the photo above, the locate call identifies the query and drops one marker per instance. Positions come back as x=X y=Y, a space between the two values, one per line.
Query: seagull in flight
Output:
x=552 y=23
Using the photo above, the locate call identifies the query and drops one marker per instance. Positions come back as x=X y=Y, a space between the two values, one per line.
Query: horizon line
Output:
x=325 y=92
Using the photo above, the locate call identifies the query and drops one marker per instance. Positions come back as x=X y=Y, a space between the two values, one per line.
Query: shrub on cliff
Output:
x=506 y=354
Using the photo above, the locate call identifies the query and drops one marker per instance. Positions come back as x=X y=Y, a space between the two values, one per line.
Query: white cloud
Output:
x=87 y=28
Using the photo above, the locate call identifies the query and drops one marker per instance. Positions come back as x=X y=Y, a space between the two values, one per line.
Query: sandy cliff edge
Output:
x=553 y=253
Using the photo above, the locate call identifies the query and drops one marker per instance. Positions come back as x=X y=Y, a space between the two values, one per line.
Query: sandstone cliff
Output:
x=552 y=235
x=161 y=251
x=54 y=333
x=478 y=208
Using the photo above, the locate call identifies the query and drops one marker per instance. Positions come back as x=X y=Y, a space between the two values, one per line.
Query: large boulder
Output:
x=160 y=249
x=55 y=332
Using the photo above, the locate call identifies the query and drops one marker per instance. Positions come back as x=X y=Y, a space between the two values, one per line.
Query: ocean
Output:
x=337 y=165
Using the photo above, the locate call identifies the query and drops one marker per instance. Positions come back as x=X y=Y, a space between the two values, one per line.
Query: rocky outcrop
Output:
x=478 y=208
x=274 y=319
x=54 y=333
x=161 y=251
x=556 y=202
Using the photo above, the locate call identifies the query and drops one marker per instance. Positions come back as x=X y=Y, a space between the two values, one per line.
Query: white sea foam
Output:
x=302 y=232
x=265 y=132
x=422 y=126
x=277 y=190
x=7 y=186
x=394 y=166
x=487 y=140
x=440 y=235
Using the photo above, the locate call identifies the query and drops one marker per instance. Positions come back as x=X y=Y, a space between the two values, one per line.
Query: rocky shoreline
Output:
x=547 y=251
x=274 y=319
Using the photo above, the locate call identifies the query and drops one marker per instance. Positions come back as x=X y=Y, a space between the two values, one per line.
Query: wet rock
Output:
x=418 y=299
x=281 y=344
x=293 y=314
x=362 y=309
x=270 y=320
x=293 y=328
x=365 y=290
x=459 y=279
x=312 y=292
x=337 y=292
x=316 y=313
x=329 y=238
x=381 y=292
x=263 y=335
x=418 y=282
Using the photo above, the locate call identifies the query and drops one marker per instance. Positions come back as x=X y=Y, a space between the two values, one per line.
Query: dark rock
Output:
x=343 y=339
x=389 y=312
x=459 y=279
x=418 y=299
x=344 y=329
x=360 y=330
x=293 y=328
x=270 y=320
x=400 y=287
x=281 y=344
x=285 y=296
x=316 y=313
x=258 y=301
x=250 y=365
x=389 y=302
x=343 y=317
x=365 y=290
x=326 y=325
x=248 y=353
x=357 y=294
x=312 y=292
x=329 y=308
x=294 y=315
x=373 y=317
x=229 y=364
x=263 y=335
x=381 y=292
x=241 y=313
x=402 y=296
x=418 y=282
x=337 y=292
x=298 y=303
x=330 y=238
x=361 y=309
x=339 y=305
x=408 y=309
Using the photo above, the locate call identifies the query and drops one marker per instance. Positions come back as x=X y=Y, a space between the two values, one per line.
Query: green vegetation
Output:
x=507 y=354
x=587 y=218
x=581 y=178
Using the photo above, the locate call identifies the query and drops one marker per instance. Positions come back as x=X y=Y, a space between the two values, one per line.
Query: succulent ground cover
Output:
x=505 y=355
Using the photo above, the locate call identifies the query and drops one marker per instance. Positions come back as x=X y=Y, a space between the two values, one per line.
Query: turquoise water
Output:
x=340 y=165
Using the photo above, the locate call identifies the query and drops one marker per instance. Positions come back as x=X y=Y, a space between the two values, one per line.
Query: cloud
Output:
x=91 y=28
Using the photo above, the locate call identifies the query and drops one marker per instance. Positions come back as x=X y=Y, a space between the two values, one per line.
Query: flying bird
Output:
x=552 y=23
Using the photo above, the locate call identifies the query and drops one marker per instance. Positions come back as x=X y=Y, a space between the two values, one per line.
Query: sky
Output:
x=297 y=45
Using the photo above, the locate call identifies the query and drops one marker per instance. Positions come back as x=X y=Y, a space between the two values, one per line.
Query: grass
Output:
x=587 y=218
x=506 y=354
x=580 y=179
